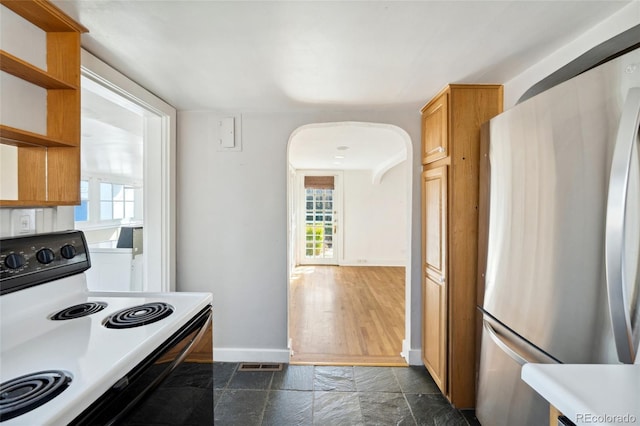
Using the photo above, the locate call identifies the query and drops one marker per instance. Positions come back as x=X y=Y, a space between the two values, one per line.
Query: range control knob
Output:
x=68 y=251
x=14 y=261
x=45 y=256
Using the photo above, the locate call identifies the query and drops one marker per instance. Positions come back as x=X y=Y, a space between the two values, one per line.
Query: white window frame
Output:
x=80 y=223
x=338 y=218
x=94 y=221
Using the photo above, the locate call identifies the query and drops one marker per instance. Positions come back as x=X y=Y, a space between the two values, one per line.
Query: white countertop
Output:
x=108 y=247
x=594 y=394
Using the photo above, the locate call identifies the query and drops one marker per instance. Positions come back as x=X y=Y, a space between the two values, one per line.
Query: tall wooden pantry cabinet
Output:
x=450 y=157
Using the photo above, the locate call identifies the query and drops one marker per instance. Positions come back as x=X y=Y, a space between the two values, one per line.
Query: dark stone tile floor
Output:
x=332 y=396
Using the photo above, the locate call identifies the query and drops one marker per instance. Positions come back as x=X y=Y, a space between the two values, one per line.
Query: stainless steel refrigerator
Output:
x=561 y=277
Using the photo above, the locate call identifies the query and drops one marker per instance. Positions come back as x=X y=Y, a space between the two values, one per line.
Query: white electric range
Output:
x=70 y=356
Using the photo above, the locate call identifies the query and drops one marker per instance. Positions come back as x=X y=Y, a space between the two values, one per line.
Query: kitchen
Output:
x=251 y=322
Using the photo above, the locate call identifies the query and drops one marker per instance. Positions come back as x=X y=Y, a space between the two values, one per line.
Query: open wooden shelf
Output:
x=44 y=15
x=19 y=137
x=27 y=72
x=33 y=203
x=48 y=164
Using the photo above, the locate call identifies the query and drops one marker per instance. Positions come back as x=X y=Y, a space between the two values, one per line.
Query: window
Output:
x=116 y=201
x=105 y=204
x=81 y=212
x=319 y=223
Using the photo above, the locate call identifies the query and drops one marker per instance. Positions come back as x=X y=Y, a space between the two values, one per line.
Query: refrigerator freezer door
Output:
x=550 y=161
x=504 y=399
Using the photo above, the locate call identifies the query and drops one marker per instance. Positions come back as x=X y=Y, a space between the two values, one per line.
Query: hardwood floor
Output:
x=348 y=315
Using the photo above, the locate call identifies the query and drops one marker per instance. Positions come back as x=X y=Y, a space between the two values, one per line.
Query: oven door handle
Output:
x=176 y=361
x=186 y=351
x=183 y=354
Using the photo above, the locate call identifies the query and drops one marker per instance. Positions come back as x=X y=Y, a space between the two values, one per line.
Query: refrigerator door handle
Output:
x=504 y=345
x=615 y=226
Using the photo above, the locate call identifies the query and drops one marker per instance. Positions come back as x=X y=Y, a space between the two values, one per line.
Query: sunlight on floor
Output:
x=301 y=270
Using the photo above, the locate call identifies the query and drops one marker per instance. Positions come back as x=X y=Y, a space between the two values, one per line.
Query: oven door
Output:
x=139 y=389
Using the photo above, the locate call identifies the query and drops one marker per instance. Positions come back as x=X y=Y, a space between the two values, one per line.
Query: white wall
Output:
x=40 y=220
x=232 y=231
x=22 y=104
x=619 y=22
x=375 y=218
x=8 y=172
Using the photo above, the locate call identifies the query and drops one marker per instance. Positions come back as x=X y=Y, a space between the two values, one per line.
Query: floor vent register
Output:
x=259 y=366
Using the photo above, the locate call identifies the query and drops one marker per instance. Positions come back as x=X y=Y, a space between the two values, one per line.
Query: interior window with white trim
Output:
x=116 y=201
x=81 y=212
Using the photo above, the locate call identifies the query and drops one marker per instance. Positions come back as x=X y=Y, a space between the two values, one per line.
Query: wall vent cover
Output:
x=259 y=366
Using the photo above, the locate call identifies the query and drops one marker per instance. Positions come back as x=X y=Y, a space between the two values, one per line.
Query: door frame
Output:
x=159 y=172
x=408 y=353
x=338 y=206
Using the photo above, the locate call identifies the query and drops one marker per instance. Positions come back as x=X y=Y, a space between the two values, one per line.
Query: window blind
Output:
x=319 y=182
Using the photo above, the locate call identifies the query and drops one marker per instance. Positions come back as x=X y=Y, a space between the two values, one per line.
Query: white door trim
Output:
x=338 y=204
x=293 y=227
x=159 y=172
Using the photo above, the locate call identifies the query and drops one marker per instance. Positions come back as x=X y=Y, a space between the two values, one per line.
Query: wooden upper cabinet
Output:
x=48 y=165
x=435 y=129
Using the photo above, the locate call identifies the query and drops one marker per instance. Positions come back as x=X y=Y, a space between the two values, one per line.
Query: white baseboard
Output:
x=405 y=350
x=250 y=355
x=415 y=357
x=412 y=356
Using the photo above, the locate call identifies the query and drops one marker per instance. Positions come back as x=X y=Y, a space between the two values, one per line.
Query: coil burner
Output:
x=139 y=315
x=24 y=393
x=78 y=311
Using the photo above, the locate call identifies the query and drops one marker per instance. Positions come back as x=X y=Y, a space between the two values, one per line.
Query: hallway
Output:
x=349 y=315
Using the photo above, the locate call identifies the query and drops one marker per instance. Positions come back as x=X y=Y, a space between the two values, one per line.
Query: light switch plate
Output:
x=227 y=132
x=23 y=221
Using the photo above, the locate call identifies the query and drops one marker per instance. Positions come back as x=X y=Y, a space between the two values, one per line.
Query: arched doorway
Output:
x=349 y=230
